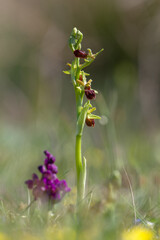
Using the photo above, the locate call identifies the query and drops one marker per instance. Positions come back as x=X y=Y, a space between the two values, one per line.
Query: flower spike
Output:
x=84 y=111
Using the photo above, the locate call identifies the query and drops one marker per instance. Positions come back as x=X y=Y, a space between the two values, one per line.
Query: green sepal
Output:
x=99 y=52
x=87 y=74
x=93 y=116
x=91 y=57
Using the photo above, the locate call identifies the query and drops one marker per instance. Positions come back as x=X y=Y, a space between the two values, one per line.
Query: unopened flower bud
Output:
x=80 y=54
x=90 y=122
x=74 y=31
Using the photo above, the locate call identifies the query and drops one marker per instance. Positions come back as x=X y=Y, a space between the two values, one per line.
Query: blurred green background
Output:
x=37 y=102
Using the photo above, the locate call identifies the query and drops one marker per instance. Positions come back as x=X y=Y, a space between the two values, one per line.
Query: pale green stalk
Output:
x=80 y=169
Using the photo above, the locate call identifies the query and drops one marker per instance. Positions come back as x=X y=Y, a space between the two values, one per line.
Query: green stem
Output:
x=79 y=168
x=81 y=173
x=78 y=149
x=79 y=101
x=77 y=60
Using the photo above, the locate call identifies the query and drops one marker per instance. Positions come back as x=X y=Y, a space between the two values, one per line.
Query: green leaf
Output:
x=67 y=72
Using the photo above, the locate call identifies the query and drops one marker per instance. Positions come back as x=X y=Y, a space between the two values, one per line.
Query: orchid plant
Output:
x=84 y=111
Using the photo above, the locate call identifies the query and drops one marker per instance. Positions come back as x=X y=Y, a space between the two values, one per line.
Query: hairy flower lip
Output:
x=90 y=94
x=90 y=122
x=80 y=54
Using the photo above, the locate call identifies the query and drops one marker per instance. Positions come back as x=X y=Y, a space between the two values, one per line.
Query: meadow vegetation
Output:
x=37 y=105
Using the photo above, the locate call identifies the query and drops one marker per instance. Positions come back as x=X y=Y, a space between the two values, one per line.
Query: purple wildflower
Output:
x=49 y=159
x=42 y=168
x=53 y=168
x=34 y=177
x=29 y=183
x=48 y=186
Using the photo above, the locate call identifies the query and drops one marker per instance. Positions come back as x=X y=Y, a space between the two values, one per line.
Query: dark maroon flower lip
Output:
x=48 y=186
x=90 y=122
x=80 y=54
x=90 y=94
